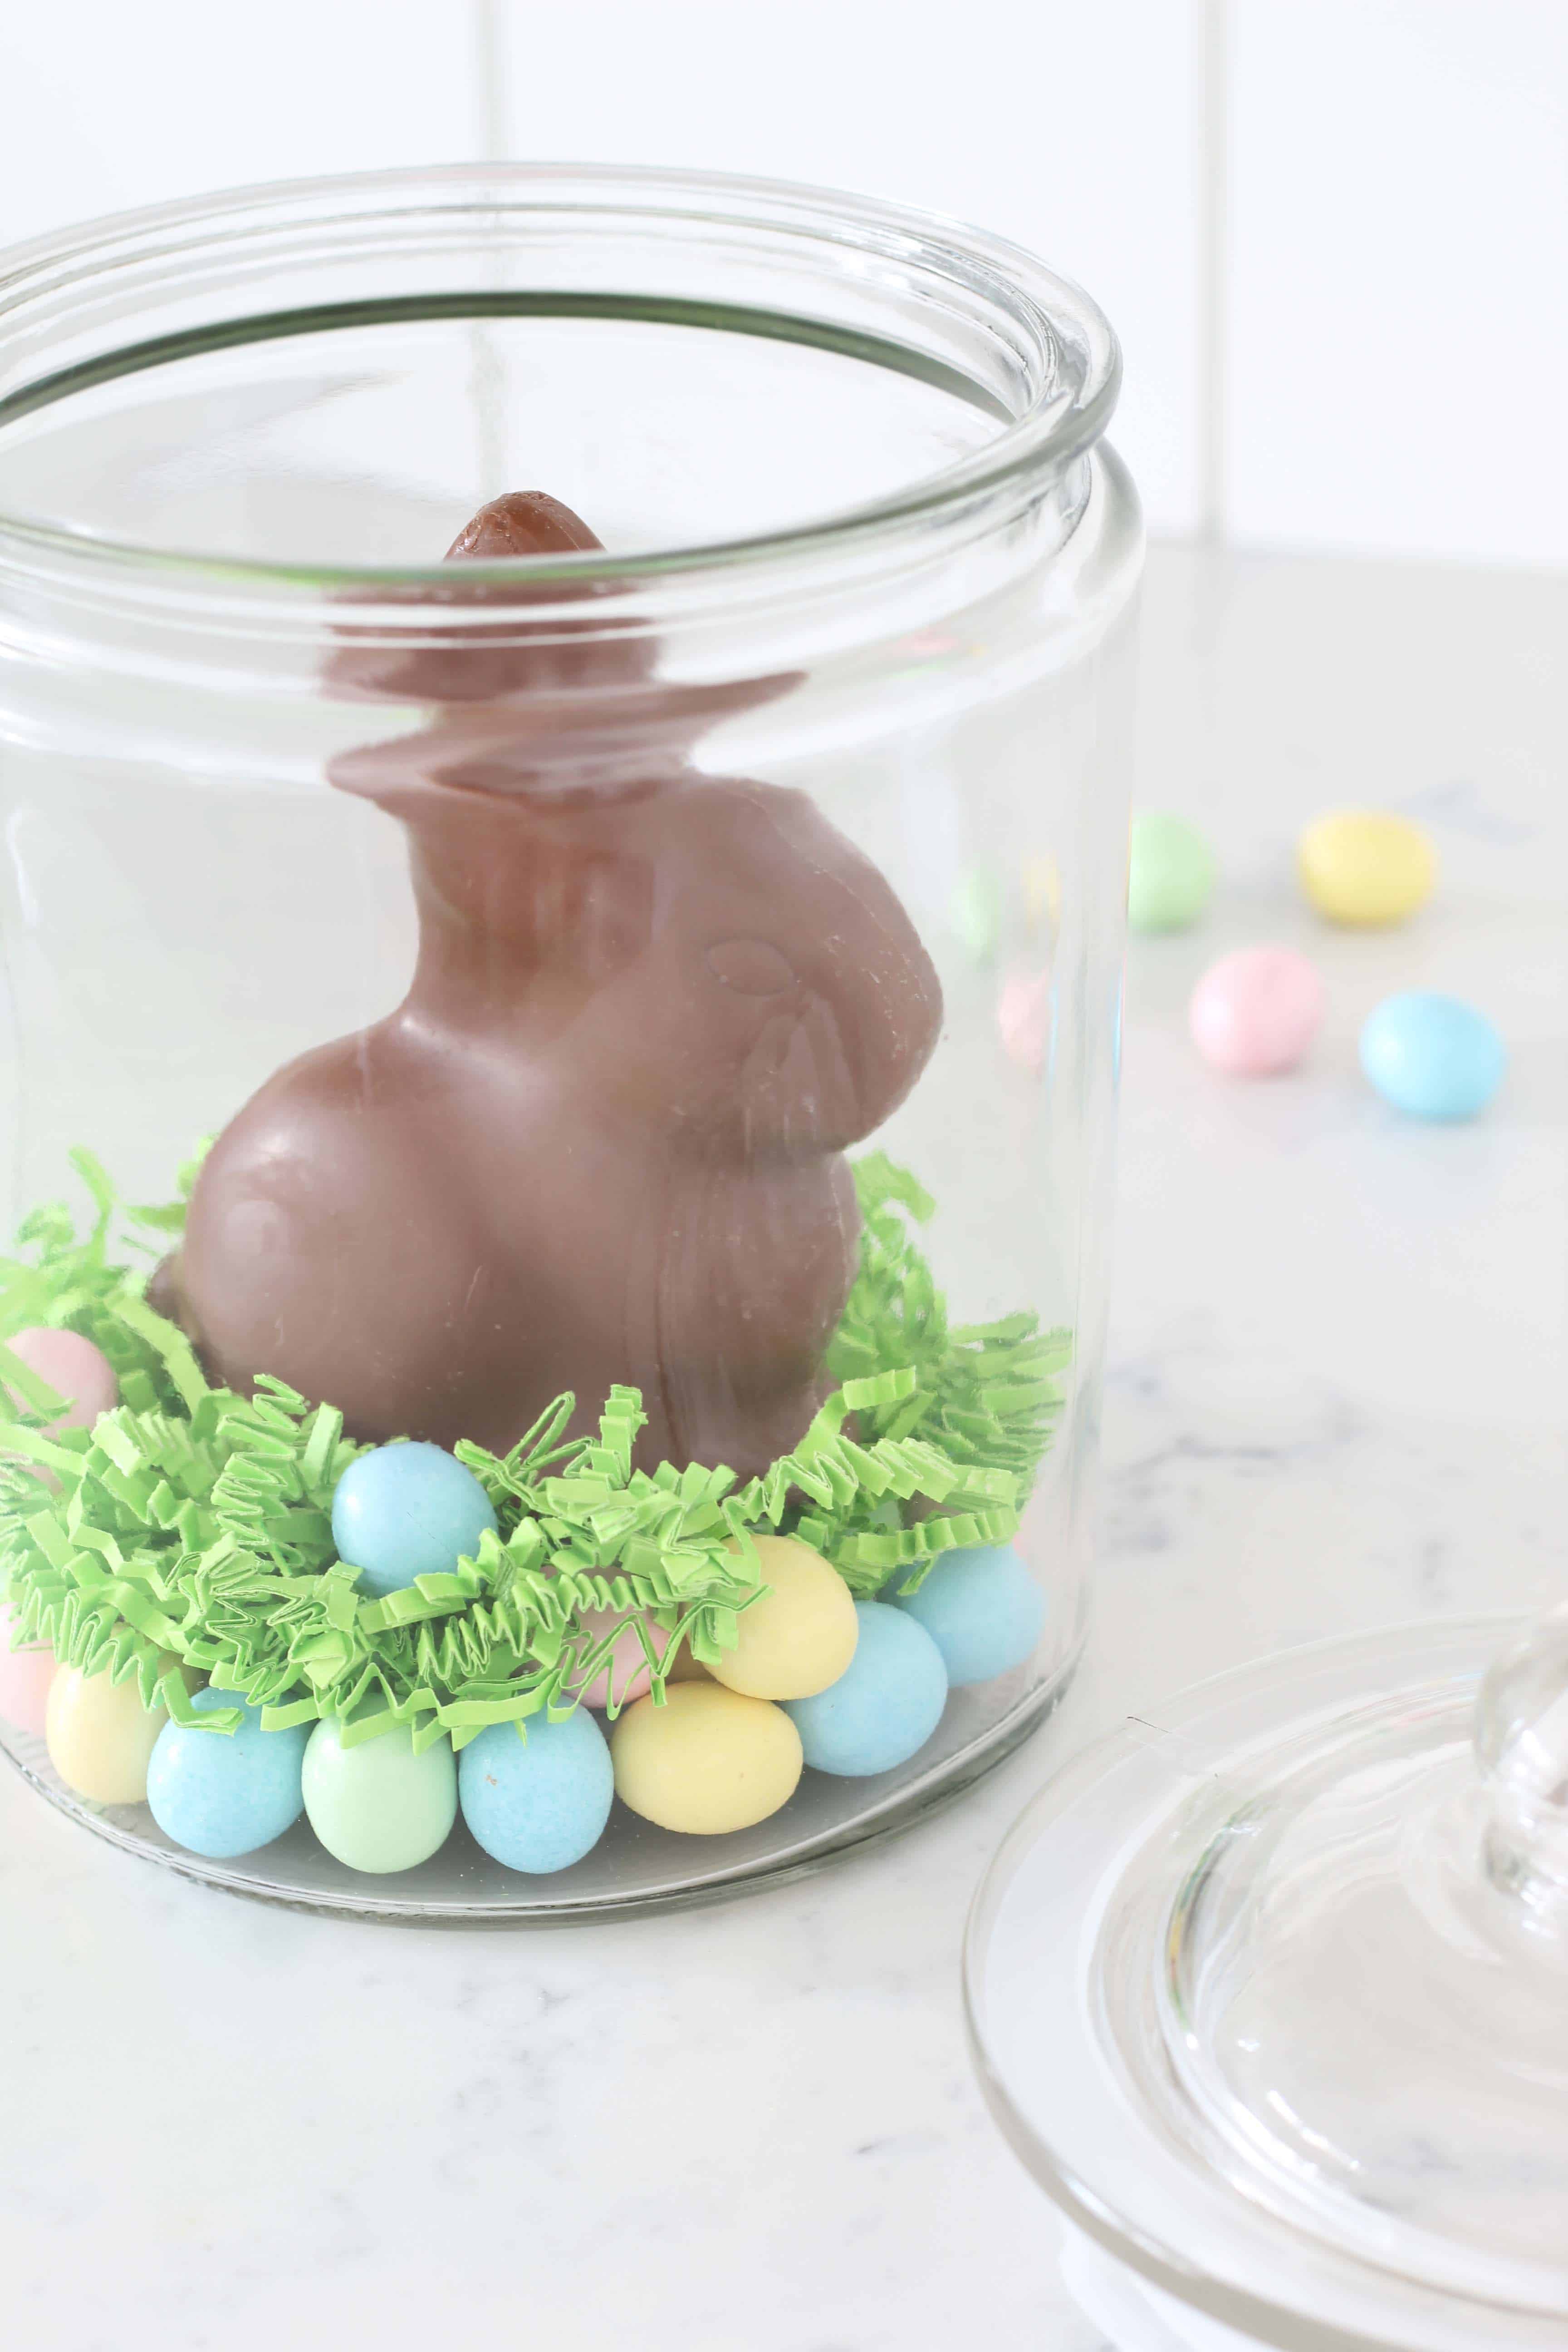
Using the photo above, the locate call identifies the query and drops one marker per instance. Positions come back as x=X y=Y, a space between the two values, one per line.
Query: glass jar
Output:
x=653 y=979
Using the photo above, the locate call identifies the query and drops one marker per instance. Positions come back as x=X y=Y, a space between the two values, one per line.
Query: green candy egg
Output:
x=379 y=1807
x=1169 y=873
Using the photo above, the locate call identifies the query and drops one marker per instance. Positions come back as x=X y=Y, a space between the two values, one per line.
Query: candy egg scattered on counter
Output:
x=707 y=1761
x=377 y=1806
x=627 y=1668
x=1432 y=1056
x=884 y=1707
x=1169 y=872
x=1042 y=893
x=25 y=1678
x=800 y=1635
x=1364 y=866
x=1257 y=1011
x=541 y=1803
x=222 y=1794
x=1025 y=1013
x=100 y=1737
x=974 y=916
x=981 y=1608
x=74 y=1367
x=403 y=1511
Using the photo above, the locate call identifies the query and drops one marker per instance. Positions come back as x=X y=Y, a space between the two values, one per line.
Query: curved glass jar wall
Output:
x=666 y=955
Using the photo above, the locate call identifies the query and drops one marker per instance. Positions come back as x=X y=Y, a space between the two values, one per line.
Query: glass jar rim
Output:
x=1048 y=318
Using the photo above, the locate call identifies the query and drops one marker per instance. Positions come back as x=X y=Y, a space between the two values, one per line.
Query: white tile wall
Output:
x=1398 y=312
x=1391 y=318
x=107 y=104
x=1068 y=127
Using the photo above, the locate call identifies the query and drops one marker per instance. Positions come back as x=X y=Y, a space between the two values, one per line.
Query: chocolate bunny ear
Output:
x=523 y=523
x=552 y=742
x=512 y=653
x=556 y=705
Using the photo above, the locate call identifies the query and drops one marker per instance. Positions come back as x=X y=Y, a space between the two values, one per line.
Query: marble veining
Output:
x=1336 y=1400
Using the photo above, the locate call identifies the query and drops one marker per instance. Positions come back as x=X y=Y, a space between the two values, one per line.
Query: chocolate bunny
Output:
x=601 y=1139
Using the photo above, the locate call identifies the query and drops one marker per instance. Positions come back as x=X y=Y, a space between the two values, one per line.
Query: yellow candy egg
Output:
x=1358 y=866
x=707 y=1761
x=101 y=1737
x=1042 y=893
x=801 y=1635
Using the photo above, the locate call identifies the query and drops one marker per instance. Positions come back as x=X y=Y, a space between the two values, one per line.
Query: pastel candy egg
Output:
x=377 y=1806
x=626 y=1667
x=74 y=1367
x=1042 y=893
x=1256 y=1011
x=1169 y=873
x=974 y=916
x=403 y=1511
x=1024 y=1014
x=1432 y=1056
x=25 y=1678
x=981 y=1608
x=538 y=1804
x=1360 y=865
x=800 y=1635
x=226 y=1793
x=708 y=1760
x=100 y=1737
x=884 y=1707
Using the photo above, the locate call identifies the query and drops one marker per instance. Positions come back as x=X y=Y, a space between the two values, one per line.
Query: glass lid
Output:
x=1272 y=1993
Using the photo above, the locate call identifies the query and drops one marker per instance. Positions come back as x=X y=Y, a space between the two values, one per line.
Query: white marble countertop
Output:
x=1337 y=1398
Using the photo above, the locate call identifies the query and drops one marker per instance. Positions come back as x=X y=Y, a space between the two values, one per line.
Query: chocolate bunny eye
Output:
x=751 y=967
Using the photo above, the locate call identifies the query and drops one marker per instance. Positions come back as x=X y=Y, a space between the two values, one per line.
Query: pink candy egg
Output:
x=1256 y=1011
x=1024 y=1020
x=73 y=1367
x=25 y=1678
x=628 y=1662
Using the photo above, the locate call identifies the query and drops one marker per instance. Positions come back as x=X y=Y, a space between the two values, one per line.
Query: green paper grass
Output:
x=192 y=1527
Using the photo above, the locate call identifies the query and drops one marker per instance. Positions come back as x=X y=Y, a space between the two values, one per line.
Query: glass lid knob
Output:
x=1522 y=1752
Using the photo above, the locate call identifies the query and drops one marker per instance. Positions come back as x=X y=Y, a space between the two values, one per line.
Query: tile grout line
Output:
x=1211 y=141
x=488 y=65
x=487 y=378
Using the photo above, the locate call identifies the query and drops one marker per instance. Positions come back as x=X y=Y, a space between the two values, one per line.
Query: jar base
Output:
x=636 y=1867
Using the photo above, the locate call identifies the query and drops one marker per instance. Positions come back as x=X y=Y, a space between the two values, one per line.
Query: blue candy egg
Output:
x=404 y=1511
x=538 y=1804
x=983 y=1610
x=1432 y=1056
x=885 y=1705
x=221 y=1793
